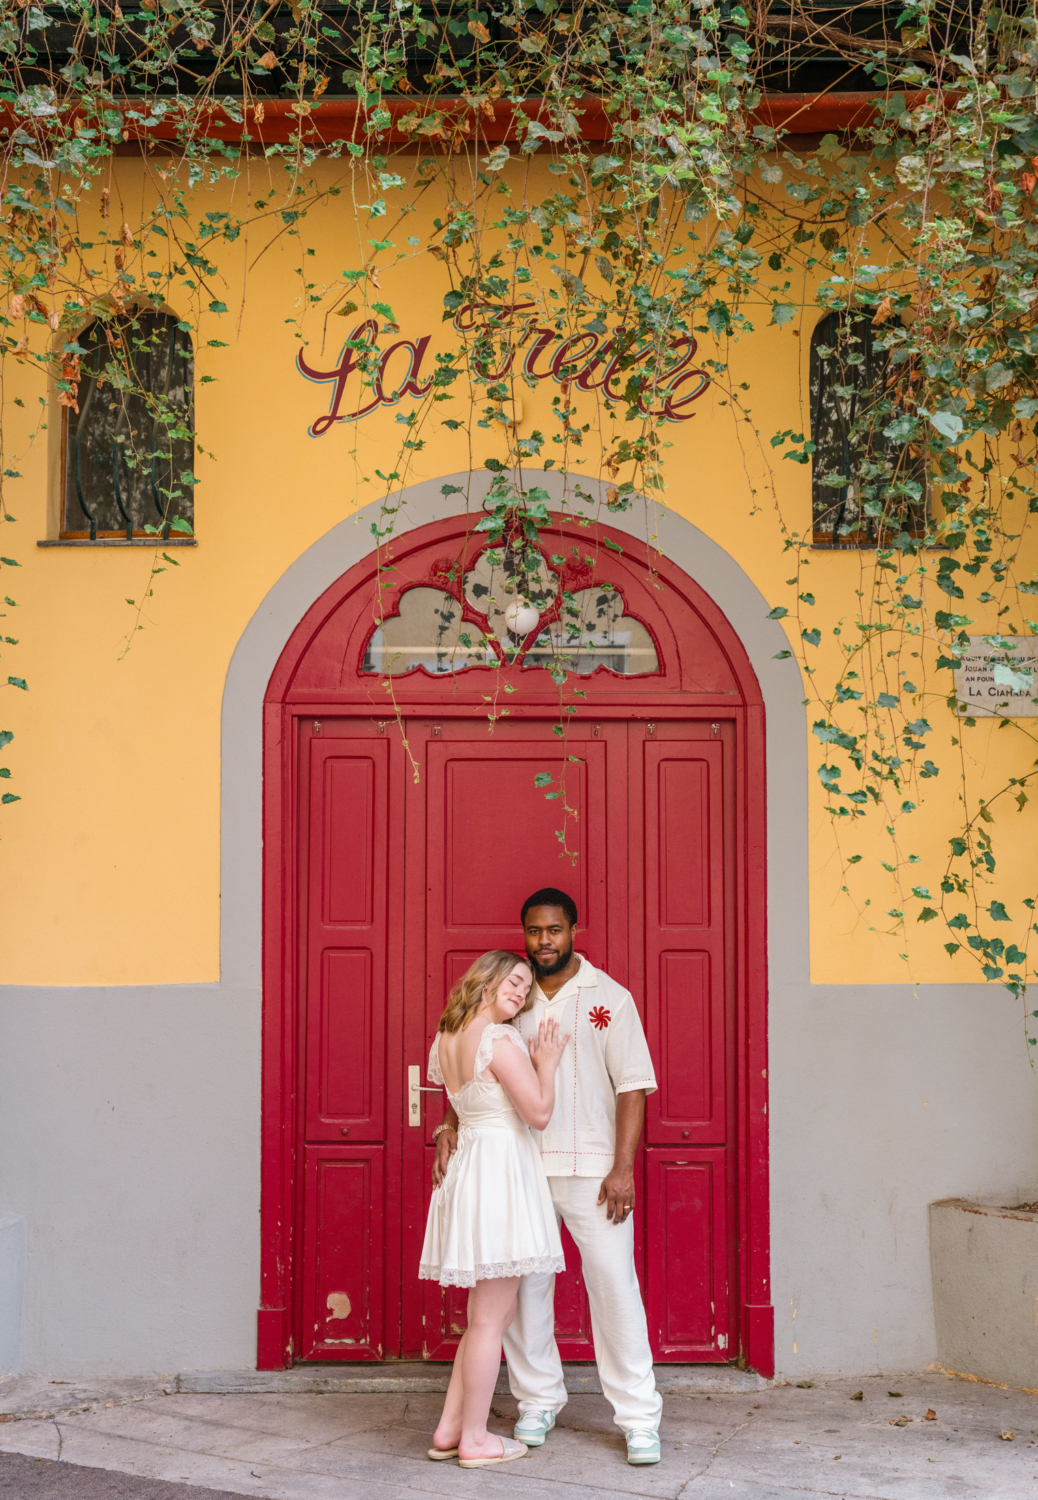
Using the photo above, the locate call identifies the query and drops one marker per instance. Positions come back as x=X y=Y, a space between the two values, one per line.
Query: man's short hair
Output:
x=549 y=896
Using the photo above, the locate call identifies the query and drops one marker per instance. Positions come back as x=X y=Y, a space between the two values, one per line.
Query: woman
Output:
x=491 y=1221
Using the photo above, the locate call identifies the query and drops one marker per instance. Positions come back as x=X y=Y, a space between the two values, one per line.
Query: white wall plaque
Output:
x=977 y=690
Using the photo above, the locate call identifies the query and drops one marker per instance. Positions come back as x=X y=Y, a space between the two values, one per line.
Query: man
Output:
x=588 y=1153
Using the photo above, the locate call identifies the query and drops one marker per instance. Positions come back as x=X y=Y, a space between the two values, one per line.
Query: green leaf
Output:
x=927 y=915
x=783 y=312
x=997 y=912
x=778 y=613
x=6 y=736
x=9 y=562
x=947 y=424
x=19 y=682
x=887 y=700
x=218 y=307
x=10 y=797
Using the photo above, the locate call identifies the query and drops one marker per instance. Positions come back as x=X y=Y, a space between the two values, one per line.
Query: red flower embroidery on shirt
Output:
x=598 y=1017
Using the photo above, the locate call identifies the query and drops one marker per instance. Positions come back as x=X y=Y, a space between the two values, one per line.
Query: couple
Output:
x=562 y=1055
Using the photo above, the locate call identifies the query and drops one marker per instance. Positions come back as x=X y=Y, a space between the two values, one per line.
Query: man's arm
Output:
x=446 y=1145
x=617 y=1190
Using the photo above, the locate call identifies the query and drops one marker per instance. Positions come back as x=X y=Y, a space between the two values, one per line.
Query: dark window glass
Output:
x=129 y=450
x=866 y=487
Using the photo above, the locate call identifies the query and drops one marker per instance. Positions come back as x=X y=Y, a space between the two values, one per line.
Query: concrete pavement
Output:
x=782 y=1443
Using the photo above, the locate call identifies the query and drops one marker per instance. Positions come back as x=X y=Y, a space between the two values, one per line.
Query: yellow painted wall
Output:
x=111 y=858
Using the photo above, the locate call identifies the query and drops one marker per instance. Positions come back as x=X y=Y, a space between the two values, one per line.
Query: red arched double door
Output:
x=414 y=795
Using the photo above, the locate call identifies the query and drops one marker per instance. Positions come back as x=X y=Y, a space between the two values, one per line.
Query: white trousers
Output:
x=618 y=1323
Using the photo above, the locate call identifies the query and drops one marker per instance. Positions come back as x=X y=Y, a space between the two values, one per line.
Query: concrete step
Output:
x=411 y=1377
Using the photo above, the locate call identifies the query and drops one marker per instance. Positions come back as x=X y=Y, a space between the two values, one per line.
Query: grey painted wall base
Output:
x=131 y=1145
x=130 y=1116
x=12 y=1287
x=130 y=1127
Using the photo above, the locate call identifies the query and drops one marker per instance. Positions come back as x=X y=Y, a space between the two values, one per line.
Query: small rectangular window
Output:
x=129 y=440
x=866 y=487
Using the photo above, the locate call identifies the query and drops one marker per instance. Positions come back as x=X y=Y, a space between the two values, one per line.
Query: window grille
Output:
x=866 y=488
x=129 y=448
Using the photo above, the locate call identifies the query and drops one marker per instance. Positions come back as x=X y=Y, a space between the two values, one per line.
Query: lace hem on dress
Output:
x=433 y=1073
x=531 y=1265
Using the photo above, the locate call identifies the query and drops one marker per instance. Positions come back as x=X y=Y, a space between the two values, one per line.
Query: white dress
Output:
x=493 y=1214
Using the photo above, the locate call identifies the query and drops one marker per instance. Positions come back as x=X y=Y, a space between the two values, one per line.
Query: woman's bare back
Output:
x=457 y=1054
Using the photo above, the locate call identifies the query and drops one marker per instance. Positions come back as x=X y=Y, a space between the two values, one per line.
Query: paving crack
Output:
x=717 y=1448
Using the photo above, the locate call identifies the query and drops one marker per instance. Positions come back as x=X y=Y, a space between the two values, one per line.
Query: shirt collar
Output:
x=585 y=977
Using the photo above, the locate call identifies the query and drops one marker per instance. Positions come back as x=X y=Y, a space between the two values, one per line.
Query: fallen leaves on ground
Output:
x=931 y=1415
x=805 y=1385
x=898 y=1396
x=1007 y=1437
x=858 y=1396
x=901 y=1421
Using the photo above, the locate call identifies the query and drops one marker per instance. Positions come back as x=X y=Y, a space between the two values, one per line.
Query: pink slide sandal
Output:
x=512 y=1450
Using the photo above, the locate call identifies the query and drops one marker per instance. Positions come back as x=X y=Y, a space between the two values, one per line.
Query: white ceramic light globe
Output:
x=521 y=617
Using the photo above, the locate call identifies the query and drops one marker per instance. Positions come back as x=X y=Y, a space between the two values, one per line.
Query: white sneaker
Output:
x=533 y=1427
x=643 y=1446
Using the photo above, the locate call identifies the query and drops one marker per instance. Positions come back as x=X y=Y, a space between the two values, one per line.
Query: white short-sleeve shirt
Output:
x=608 y=1055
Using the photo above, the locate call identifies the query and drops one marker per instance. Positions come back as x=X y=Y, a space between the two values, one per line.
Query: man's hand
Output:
x=617 y=1193
x=446 y=1145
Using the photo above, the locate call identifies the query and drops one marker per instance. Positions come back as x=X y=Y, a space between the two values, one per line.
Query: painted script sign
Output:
x=1000 y=680
x=584 y=361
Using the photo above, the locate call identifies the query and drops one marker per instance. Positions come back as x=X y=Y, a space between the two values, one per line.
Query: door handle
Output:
x=414 y=1088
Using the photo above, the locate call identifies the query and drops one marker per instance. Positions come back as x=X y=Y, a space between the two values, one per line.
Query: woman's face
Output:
x=511 y=993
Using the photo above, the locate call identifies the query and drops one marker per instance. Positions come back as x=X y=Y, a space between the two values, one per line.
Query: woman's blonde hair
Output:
x=467 y=995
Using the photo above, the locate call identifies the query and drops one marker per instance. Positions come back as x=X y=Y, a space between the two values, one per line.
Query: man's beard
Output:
x=545 y=971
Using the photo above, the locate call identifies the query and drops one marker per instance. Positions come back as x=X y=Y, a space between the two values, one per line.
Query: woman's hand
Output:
x=546 y=1051
x=446 y=1145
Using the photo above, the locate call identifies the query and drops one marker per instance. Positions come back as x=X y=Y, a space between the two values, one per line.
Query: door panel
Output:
x=687 y=1303
x=347 y=931
x=686 y=816
x=491 y=836
x=685 y=934
x=343 y=1231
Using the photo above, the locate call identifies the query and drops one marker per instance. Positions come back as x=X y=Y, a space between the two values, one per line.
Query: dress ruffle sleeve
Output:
x=485 y=1050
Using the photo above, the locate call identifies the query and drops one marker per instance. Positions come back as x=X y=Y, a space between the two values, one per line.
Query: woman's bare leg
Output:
x=491 y=1310
x=449 y=1430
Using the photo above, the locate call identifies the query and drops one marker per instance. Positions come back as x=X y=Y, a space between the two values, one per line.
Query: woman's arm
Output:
x=446 y=1145
x=530 y=1082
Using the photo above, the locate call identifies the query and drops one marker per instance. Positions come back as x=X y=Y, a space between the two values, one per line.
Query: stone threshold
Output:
x=415 y=1377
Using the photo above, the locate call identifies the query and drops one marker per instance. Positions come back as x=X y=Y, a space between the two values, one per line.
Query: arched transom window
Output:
x=510 y=606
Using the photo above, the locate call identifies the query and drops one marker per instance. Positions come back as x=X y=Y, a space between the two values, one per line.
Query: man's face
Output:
x=549 y=939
